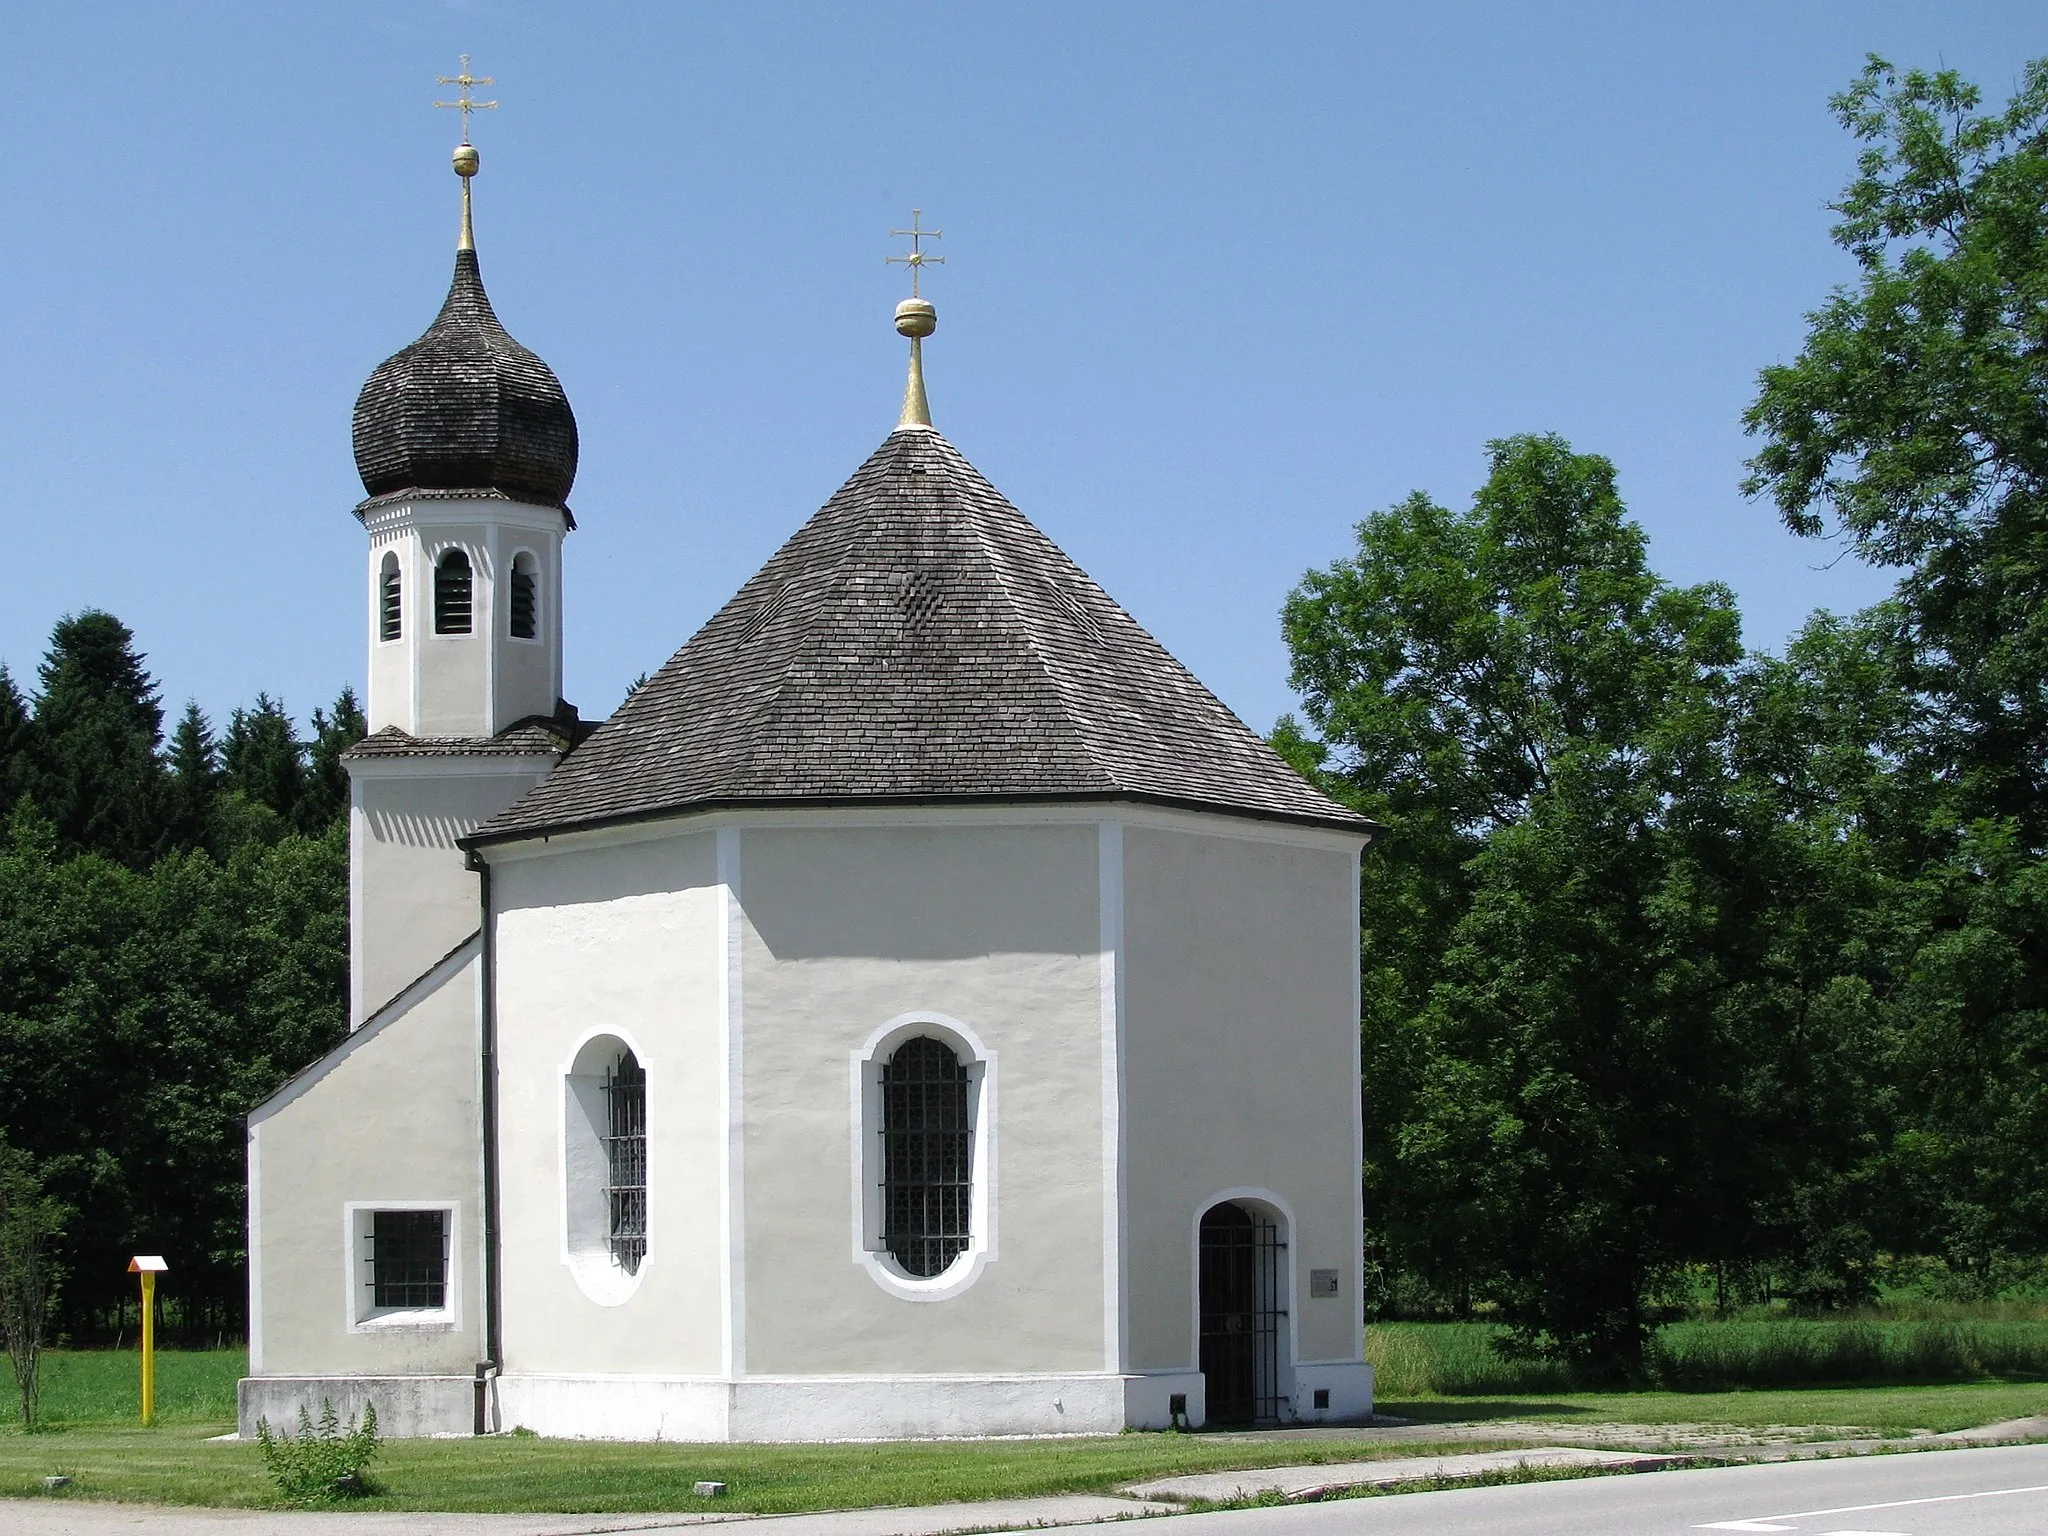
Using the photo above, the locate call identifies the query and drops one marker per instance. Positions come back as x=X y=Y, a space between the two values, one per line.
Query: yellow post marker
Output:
x=149 y=1266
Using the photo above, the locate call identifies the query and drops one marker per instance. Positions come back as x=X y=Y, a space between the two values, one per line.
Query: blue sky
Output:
x=1221 y=280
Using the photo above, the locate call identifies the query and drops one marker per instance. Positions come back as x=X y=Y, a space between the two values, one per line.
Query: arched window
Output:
x=525 y=604
x=604 y=1168
x=389 y=618
x=927 y=1168
x=452 y=594
x=625 y=1147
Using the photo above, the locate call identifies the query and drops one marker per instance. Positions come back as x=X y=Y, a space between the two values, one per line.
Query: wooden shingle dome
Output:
x=466 y=409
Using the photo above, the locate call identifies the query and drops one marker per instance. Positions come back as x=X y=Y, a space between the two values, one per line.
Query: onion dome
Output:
x=466 y=408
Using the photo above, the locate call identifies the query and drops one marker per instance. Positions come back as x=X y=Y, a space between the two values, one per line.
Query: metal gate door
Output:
x=1241 y=1315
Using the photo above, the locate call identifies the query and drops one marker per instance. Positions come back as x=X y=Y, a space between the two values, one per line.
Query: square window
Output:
x=408 y=1260
x=402 y=1270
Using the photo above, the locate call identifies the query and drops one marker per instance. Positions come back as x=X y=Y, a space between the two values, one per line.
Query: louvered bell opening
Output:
x=390 y=619
x=452 y=583
x=525 y=601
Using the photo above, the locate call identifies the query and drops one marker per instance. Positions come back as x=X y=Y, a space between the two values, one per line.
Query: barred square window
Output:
x=408 y=1260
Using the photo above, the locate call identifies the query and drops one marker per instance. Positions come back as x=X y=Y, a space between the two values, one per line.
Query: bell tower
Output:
x=467 y=449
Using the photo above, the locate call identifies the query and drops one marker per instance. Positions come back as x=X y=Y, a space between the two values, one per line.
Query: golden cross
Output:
x=917 y=260
x=463 y=103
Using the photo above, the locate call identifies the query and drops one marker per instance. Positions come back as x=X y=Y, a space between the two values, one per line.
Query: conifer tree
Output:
x=100 y=723
x=17 y=742
x=334 y=732
x=195 y=779
x=263 y=762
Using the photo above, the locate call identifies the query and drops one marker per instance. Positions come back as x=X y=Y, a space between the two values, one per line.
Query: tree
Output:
x=1589 y=1053
x=30 y=1224
x=19 y=750
x=334 y=731
x=264 y=766
x=1915 y=420
x=195 y=779
x=1916 y=414
x=100 y=724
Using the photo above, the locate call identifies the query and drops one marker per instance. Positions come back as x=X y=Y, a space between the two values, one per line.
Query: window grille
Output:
x=625 y=1146
x=451 y=594
x=389 y=619
x=408 y=1259
x=525 y=600
x=927 y=1178
x=1241 y=1315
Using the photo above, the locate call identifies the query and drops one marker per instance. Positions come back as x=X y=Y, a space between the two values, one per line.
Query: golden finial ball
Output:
x=916 y=317
x=466 y=160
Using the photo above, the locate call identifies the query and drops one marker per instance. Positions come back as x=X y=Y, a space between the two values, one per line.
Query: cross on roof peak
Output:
x=464 y=102
x=918 y=258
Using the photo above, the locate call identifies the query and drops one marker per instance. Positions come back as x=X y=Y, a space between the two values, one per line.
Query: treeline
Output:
x=173 y=945
x=1695 y=975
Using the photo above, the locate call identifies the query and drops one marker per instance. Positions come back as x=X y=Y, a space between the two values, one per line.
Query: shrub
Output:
x=325 y=1460
x=30 y=1224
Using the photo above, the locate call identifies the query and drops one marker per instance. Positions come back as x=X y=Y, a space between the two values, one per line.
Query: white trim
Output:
x=359 y=1318
x=1357 y=1249
x=456 y=764
x=255 y=1242
x=1290 y=1234
x=598 y=1275
x=422 y=584
x=732 y=1218
x=358 y=853
x=1115 y=1280
x=1077 y=813
x=493 y=537
x=865 y=1064
x=461 y=512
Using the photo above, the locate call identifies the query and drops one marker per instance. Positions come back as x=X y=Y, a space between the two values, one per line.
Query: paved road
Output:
x=1999 y=1491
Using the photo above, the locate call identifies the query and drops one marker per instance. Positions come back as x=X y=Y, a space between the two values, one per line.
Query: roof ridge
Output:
x=918 y=640
x=1027 y=618
x=781 y=601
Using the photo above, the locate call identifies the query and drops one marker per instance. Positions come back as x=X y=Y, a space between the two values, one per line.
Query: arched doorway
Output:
x=1241 y=1314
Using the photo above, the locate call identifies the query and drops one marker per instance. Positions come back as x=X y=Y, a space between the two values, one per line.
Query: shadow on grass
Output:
x=1462 y=1410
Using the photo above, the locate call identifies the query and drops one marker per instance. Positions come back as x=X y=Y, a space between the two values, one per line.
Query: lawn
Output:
x=90 y=1400
x=1878 y=1410
x=177 y=1465
x=1459 y=1360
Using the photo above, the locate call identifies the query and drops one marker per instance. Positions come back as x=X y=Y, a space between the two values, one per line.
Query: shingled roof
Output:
x=918 y=641
x=466 y=409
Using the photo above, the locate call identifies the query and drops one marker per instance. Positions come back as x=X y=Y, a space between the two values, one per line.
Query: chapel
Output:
x=922 y=1009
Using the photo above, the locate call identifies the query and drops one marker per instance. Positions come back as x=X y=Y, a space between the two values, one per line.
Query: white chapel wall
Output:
x=1240 y=1042
x=844 y=929
x=619 y=940
x=411 y=896
x=392 y=1120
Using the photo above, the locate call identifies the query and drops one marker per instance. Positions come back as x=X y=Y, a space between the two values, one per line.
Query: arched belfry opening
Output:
x=1243 y=1313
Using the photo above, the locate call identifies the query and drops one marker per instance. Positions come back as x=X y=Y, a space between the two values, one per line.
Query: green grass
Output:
x=90 y=1403
x=104 y=1386
x=517 y=1473
x=1458 y=1359
x=1872 y=1410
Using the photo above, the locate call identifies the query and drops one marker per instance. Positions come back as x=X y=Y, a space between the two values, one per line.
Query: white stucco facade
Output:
x=1158 y=1012
x=477 y=682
